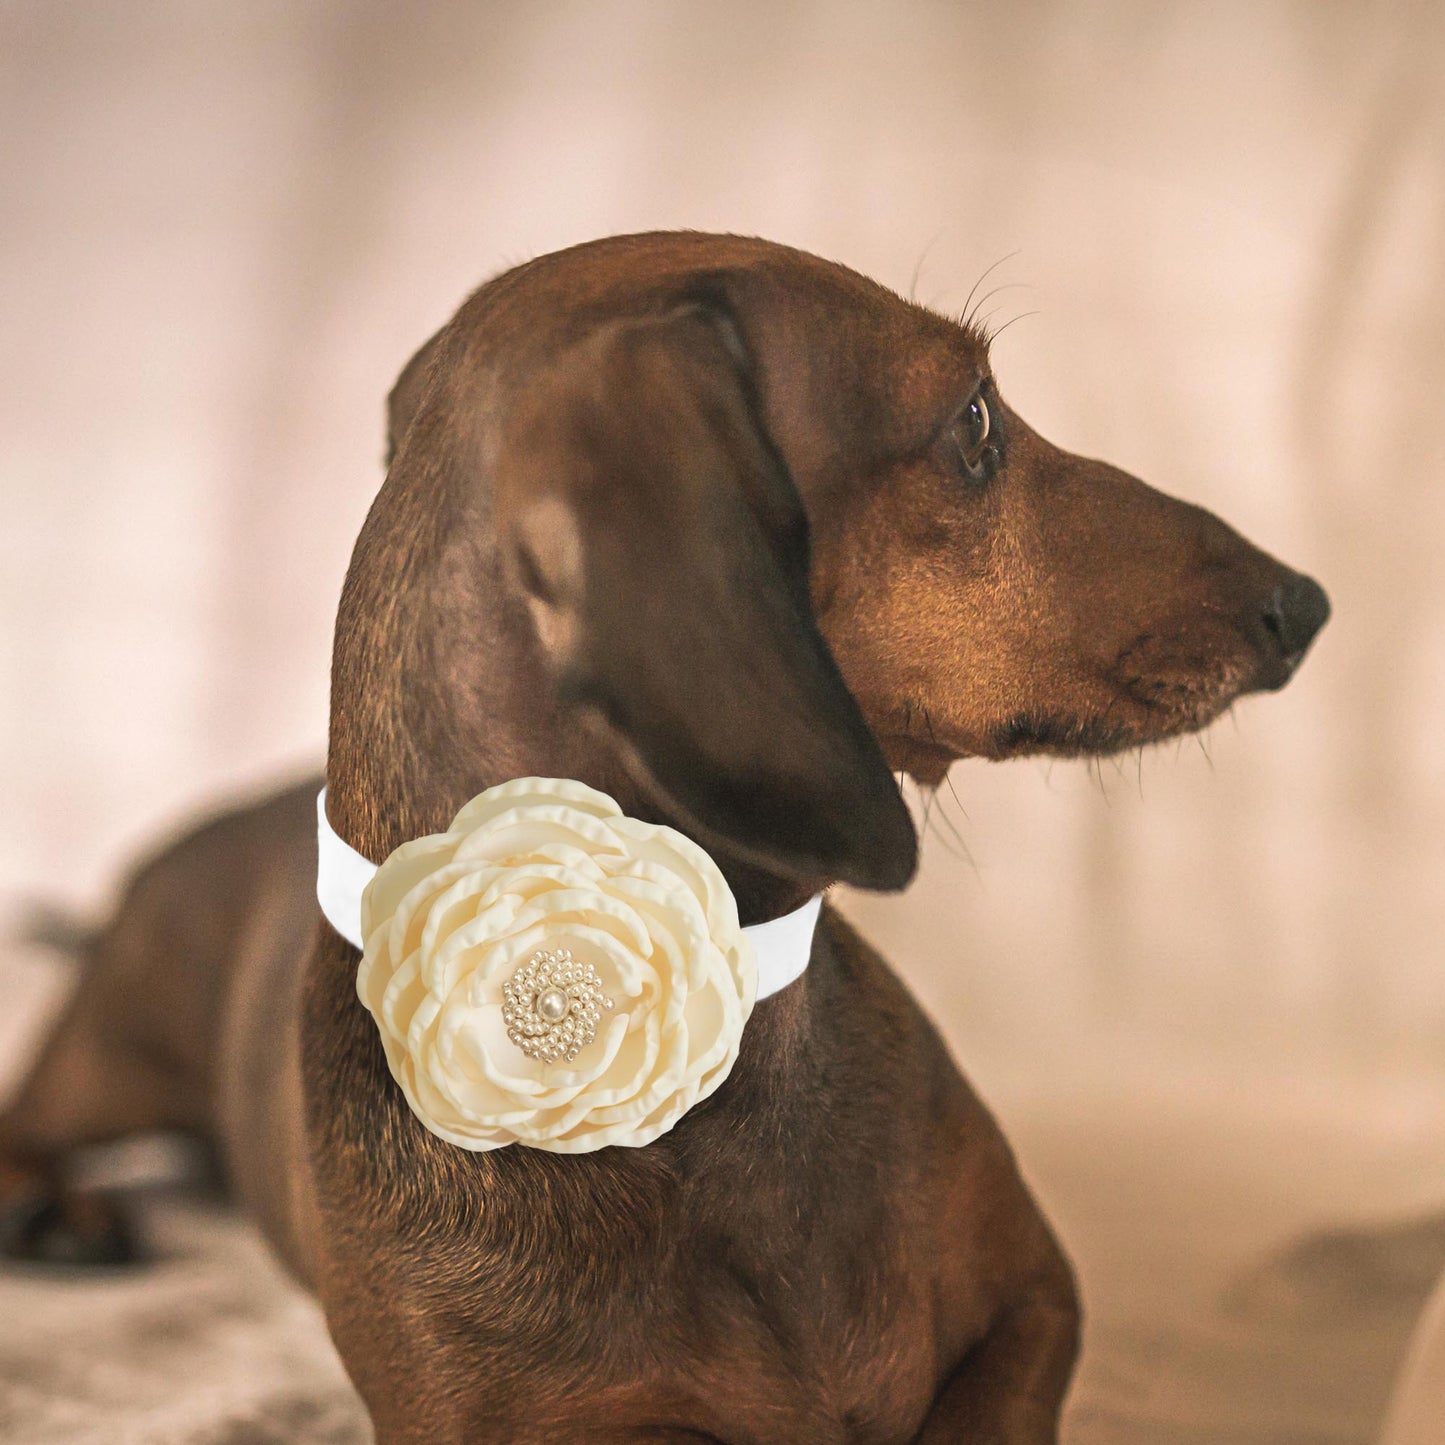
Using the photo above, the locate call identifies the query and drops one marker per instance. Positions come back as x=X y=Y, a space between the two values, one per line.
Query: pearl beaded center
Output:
x=552 y=1006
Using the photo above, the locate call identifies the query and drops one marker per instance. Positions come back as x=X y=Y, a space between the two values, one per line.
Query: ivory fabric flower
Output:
x=551 y=972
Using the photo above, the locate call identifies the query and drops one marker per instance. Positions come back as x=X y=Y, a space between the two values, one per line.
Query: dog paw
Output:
x=70 y=1230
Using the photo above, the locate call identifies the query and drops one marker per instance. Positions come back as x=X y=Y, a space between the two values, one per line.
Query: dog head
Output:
x=754 y=532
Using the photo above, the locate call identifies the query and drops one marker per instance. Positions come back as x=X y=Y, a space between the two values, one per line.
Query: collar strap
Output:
x=782 y=945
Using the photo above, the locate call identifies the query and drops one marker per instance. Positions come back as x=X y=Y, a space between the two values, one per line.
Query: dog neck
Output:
x=440 y=690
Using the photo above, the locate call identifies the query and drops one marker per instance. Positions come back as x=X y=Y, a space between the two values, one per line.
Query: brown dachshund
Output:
x=732 y=534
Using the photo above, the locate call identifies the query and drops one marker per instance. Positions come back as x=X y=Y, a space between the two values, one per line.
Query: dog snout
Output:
x=1293 y=614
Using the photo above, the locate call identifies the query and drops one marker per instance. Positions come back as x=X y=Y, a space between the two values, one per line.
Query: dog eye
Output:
x=970 y=436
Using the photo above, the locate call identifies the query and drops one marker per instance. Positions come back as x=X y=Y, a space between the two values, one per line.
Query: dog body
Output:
x=730 y=533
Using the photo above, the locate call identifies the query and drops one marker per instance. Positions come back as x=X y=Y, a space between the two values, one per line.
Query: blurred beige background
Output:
x=1206 y=993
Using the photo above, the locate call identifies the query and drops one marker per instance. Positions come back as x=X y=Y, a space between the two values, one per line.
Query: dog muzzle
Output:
x=551 y=972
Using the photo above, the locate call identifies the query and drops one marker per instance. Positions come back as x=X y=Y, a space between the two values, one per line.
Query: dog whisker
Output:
x=948 y=778
x=983 y=321
x=918 y=269
x=993 y=336
x=933 y=817
x=992 y=292
x=1097 y=763
x=965 y=316
x=965 y=852
x=953 y=827
x=928 y=723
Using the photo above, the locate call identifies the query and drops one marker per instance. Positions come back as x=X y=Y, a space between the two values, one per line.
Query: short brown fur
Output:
x=692 y=519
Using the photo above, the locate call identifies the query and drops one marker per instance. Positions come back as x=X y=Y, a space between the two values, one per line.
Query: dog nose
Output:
x=1296 y=611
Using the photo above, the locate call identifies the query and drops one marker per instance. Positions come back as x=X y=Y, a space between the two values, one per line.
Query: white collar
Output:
x=782 y=945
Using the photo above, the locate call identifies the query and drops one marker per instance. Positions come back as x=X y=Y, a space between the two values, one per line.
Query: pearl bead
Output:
x=552 y=1005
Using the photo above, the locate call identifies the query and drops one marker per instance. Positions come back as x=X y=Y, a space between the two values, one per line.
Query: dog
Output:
x=734 y=535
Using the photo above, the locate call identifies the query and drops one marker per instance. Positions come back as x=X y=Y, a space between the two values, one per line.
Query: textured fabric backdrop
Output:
x=225 y=228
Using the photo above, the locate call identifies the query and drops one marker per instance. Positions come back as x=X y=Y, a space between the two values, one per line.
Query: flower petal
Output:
x=545 y=865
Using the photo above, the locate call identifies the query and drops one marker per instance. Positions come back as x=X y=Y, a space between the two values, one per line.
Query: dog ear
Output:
x=404 y=399
x=664 y=551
